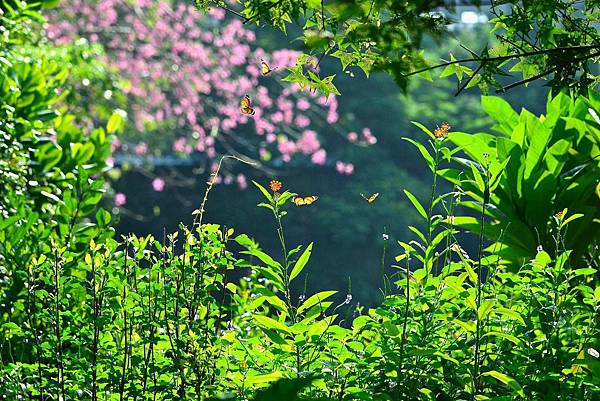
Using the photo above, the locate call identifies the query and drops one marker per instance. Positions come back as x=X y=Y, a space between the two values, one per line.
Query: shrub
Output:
x=537 y=167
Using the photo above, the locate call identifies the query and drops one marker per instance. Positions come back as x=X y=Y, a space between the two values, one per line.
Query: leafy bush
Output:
x=535 y=168
x=85 y=316
x=46 y=187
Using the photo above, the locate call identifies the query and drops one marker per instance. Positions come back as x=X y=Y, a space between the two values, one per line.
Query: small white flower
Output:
x=385 y=237
x=593 y=352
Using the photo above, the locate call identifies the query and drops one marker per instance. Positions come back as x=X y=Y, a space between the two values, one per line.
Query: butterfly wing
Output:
x=373 y=197
x=264 y=68
x=245 y=103
x=248 y=110
x=304 y=200
x=309 y=200
x=370 y=198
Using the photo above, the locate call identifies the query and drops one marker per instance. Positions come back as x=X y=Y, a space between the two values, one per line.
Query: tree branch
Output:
x=502 y=58
x=548 y=72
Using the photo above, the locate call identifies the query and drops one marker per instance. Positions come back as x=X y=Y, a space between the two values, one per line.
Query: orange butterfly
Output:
x=265 y=69
x=371 y=198
x=246 y=109
x=304 y=200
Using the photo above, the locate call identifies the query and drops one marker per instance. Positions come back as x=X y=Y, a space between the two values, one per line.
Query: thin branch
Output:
x=502 y=58
x=211 y=183
x=229 y=10
x=458 y=92
x=548 y=72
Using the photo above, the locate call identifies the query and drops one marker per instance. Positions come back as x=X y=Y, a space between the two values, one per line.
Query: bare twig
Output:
x=211 y=182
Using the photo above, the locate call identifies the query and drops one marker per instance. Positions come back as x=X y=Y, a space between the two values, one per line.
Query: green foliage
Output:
x=84 y=316
x=536 y=167
x=537 y=40
x=134 y=318
x=47 y=192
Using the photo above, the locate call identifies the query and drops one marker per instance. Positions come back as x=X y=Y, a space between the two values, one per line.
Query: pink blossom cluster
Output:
x=184 y=76
x=344 y=168
x=367 y=137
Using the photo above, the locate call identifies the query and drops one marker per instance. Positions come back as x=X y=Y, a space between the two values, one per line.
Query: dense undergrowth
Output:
x=86 y=315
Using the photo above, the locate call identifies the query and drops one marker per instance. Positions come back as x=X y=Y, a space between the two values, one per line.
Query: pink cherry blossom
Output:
x=308 y=142
x=186 y=74
x=140 y=149
x=302 y=121
x=120 y=199
x=319 y=157
x=241 y=181
x=286 y=146
x=303 y=104
x=344 y=168
x=349 y=169
x=158 y=184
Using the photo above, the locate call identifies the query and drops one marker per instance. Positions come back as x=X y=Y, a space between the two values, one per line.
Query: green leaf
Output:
x=416 y=203
x=509 y=381
x=266 y=259
x=315 y=299
x=116 y=122
x=485 y=308
x=265 y=378
x=506 y=336
x=586 y=271
x=424 y=129
x=268 y=323
x=509 y=313
x=571 y=218
x=264 y=191
x=391 y=329
x=103 y=217
x=542 y=259
x=428 y=158
x=278 y=303
x=501 y=111
x=301 y=262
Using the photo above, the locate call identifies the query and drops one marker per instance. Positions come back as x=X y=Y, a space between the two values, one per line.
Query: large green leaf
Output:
x=315 y=299
x=301 y=262
x=502 y=112
x=509 y=381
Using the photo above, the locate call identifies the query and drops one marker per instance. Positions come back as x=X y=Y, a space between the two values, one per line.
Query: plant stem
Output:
x=96 y=333
x=31 y=308
x=383 y=280
x=57 y=328
x=430 y=226
x=405 y=322
x=486 y=196
x=286 y=277
x=124 y=297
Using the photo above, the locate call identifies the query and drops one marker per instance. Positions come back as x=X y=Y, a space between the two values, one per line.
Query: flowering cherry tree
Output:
x=184 y=75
